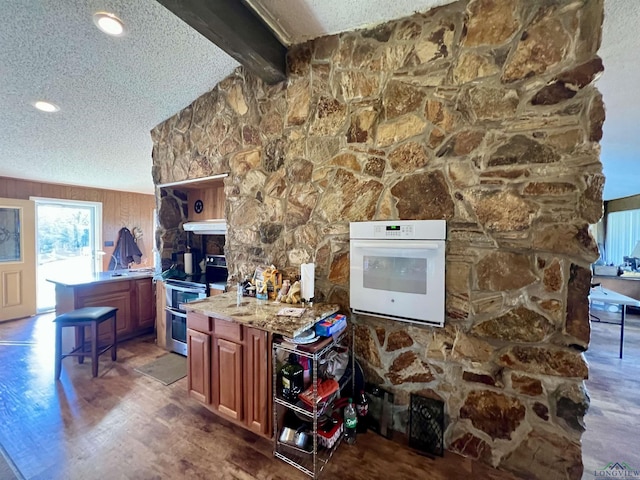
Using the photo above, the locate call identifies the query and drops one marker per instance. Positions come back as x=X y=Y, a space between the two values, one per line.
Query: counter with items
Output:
x=229 y=353
x=265 y=315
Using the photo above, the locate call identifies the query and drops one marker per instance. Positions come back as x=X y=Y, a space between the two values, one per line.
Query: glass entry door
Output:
x=67 y=240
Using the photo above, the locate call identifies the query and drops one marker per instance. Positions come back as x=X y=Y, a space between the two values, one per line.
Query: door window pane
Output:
x=395 y=274
x=9 y=234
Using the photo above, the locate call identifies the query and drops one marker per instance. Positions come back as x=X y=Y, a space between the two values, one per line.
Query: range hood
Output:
x=207 y=227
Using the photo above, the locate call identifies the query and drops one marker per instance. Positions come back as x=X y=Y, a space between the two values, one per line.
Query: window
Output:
x=623 y=234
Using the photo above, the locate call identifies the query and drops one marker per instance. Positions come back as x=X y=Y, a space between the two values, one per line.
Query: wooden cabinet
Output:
x=134 y=299
x=228 y=379
x=145 y=304
x=229 y=367
x=161 y=318
x=199 y=365
x=119 y=300
x=258 y=406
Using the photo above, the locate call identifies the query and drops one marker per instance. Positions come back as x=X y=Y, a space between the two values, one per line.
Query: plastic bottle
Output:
x=362 y=408
x=350 y=423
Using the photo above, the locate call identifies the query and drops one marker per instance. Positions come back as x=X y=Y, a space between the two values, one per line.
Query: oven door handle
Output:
x=185 y=289
x=396 y=244
x=175 y=312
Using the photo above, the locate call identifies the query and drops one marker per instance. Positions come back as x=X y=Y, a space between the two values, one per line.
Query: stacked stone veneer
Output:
x=482 y=113
x=173 y=211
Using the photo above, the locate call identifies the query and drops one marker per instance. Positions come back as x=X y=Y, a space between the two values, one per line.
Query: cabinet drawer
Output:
x=199 y=322
x=229 y=330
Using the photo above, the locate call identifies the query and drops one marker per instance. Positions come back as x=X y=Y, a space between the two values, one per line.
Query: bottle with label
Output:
x=292 y=379
x=350 y=423
x=362 y=409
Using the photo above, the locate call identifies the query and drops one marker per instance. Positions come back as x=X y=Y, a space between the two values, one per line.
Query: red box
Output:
x=329 y=439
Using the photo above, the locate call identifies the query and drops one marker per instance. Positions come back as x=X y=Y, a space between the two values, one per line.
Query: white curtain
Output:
x=623 y=234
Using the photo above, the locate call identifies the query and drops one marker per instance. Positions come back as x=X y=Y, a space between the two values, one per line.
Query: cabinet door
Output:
x=119 y=300
x=145 y=303
x=161 y=321
x=257 y=377
x=199 y=364
x=227 y=378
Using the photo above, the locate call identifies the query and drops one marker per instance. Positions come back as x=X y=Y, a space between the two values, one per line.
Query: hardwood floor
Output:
x=613 y=420
x=124 y=425
x=129 y=426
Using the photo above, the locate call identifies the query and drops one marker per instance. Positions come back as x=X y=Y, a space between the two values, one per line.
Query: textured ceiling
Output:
x=113 y=91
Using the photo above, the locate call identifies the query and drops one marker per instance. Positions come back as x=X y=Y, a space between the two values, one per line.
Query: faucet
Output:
x=116 y=263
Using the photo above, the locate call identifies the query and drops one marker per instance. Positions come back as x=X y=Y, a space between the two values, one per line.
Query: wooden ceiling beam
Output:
x=237 y=30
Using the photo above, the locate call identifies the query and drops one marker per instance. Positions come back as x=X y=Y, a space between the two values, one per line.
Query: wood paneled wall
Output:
x=119 y=209
x=213 y=199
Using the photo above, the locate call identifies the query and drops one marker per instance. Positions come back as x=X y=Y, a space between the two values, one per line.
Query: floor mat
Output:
x=166 y=369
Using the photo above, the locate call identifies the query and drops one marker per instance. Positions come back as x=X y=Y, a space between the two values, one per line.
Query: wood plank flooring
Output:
x=613 y=420
x=124 y=425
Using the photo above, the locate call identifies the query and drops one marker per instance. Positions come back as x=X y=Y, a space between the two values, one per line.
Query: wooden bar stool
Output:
x=79 y=319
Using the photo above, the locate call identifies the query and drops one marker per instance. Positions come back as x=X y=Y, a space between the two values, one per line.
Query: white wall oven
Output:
x=398 y=270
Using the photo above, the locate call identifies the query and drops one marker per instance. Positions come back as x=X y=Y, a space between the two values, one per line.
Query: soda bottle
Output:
x=362 y=408
x=350 y=423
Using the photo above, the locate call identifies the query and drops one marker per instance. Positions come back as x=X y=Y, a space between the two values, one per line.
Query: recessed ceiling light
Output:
x=46 y=106
x=108 y=23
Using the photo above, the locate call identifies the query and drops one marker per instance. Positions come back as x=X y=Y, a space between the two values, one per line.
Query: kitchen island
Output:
x=130 y=291
x=229 y=354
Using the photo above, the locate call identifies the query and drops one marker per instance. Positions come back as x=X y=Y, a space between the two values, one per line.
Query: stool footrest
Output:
x=83 y=351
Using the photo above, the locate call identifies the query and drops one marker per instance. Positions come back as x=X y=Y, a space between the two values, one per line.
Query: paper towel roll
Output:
x=307 y=278
x=188 y=263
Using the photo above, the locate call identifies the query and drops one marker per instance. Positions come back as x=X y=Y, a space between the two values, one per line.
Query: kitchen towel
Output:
x=307 y=277
x=188 y=263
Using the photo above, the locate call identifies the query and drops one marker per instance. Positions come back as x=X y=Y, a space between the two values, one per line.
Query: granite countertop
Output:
x=261 y=314
x=73 y=279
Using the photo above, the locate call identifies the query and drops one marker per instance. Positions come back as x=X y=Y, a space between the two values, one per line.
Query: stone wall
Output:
x=480 y=112
x=171 y=238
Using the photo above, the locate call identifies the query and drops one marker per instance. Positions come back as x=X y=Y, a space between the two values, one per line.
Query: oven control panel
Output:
x=399 y=230
x=393 y=231
x=216 y=261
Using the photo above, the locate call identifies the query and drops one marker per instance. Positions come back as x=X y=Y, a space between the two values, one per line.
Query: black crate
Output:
x=426 y=425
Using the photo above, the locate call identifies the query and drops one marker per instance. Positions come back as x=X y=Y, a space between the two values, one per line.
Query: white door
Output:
x=17 y=259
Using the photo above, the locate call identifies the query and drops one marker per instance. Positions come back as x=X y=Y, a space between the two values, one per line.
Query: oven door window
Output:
x=395 y=273
x=179 y=297
x=179 y=326
x=398 y=279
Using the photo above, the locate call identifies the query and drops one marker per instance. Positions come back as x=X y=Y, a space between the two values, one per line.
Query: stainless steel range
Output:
x=193 y=287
